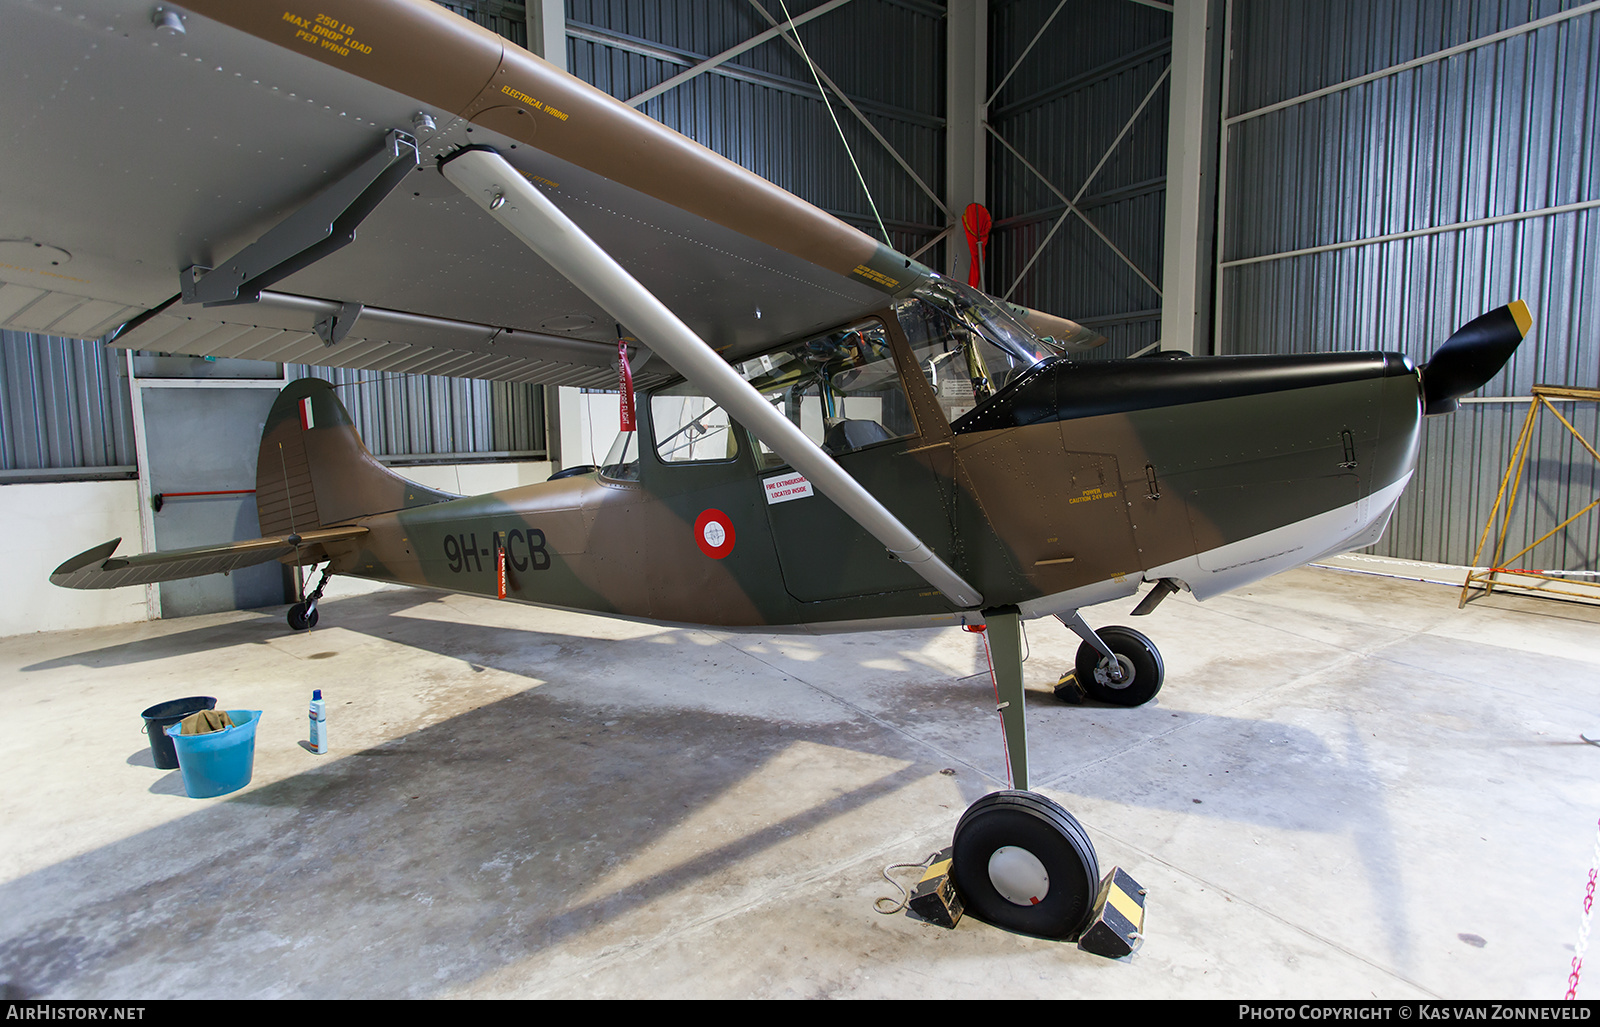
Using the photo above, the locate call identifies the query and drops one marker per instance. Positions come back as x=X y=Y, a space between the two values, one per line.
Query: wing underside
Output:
x=132 y=155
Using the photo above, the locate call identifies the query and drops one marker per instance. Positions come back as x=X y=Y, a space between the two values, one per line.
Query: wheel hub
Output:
x=1103 y=673
x=1018 y=876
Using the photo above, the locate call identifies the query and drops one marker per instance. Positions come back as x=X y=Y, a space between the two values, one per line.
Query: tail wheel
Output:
x=1022 y=863
x=1139 y=662
x=300 y=618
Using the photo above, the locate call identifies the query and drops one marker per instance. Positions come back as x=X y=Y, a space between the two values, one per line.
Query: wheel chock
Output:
x=934 y=899
x=1116 y=928
x=1068 y=690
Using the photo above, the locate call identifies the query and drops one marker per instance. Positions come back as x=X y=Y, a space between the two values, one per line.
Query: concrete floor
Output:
x=1348 y=788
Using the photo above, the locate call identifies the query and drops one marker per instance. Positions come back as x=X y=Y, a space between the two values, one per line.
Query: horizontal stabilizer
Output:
x=97 y=568
x=1473 y=355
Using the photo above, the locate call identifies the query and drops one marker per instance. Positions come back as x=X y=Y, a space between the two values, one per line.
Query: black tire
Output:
x=1141 y=663
x=1058 y=846
x=298 y=620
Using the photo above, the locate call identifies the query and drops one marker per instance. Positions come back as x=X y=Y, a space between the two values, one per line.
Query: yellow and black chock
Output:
x=1117 y=926
x=934 y=899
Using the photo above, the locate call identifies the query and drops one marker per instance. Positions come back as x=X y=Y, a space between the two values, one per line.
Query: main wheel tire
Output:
x=1022 y=863
x=299 y=620
x=1142 y=669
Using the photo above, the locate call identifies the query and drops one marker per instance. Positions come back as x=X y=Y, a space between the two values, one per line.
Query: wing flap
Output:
x=51 y=311
x=280 y=328
x=98 y=568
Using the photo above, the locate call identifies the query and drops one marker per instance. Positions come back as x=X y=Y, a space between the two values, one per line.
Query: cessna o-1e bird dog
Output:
x=800 y=387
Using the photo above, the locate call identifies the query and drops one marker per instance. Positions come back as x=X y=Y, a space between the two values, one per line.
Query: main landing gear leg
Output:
x=1004 y=629
x=1117 y=666
x=303 y=615
x=1019 y=861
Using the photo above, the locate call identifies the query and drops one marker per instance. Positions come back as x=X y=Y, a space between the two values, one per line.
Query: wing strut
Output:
x=323 y=225
x=485 y=177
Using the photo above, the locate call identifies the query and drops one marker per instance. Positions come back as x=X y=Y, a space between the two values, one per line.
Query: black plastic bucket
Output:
x=161 y=716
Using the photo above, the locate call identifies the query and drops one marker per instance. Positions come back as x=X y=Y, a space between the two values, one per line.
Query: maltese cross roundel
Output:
x=714 y=533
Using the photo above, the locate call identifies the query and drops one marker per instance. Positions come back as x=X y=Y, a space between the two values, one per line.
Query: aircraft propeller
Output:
x=1473 y=355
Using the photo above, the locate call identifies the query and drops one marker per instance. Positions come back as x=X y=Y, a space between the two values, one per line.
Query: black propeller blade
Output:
x=1472 y=356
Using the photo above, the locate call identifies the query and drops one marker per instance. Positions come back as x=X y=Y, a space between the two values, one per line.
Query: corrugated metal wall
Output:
x=508 y=19
x=1060 y=111
x=413 y=415
x=762 y=109
x=63 y=404
x=1497 y=130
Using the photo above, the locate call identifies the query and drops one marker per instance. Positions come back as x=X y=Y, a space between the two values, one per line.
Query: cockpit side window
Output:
x=842 y=388
x=622 y=461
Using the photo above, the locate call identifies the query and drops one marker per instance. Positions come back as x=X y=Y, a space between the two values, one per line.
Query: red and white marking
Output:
x=713 y=532
x=307 y=417
x=785 y=487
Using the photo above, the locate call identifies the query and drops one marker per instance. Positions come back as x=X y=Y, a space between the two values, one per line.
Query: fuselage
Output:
x=1070 y=486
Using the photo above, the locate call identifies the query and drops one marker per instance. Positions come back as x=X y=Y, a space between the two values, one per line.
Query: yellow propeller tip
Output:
x=1519 y=313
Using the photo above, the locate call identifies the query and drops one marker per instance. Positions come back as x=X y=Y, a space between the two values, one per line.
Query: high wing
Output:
x=134 y=154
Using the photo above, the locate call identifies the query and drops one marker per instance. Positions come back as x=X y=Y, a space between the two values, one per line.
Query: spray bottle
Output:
x=319 y=723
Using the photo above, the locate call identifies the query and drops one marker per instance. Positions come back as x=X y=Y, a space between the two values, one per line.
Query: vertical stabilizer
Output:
x=313 y=469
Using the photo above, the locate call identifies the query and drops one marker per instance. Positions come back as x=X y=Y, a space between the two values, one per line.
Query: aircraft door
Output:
x=825 y=555
x=844 y=390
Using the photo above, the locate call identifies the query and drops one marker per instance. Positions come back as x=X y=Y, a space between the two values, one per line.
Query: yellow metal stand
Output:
x=1497 y=570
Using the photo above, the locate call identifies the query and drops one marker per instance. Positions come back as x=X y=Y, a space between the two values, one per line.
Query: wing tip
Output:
x=95 y=554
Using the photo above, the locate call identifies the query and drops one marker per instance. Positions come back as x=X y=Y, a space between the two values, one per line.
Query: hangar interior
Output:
x=1350 y=787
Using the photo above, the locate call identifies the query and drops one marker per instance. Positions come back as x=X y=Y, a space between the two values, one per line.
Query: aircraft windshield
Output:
x=968 y=346
x=622 y=462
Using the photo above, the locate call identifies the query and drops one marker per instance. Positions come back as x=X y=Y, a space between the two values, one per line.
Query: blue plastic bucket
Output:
x=219 y=762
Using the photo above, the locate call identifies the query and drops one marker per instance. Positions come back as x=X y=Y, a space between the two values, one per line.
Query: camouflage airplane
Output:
x=830 y=436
